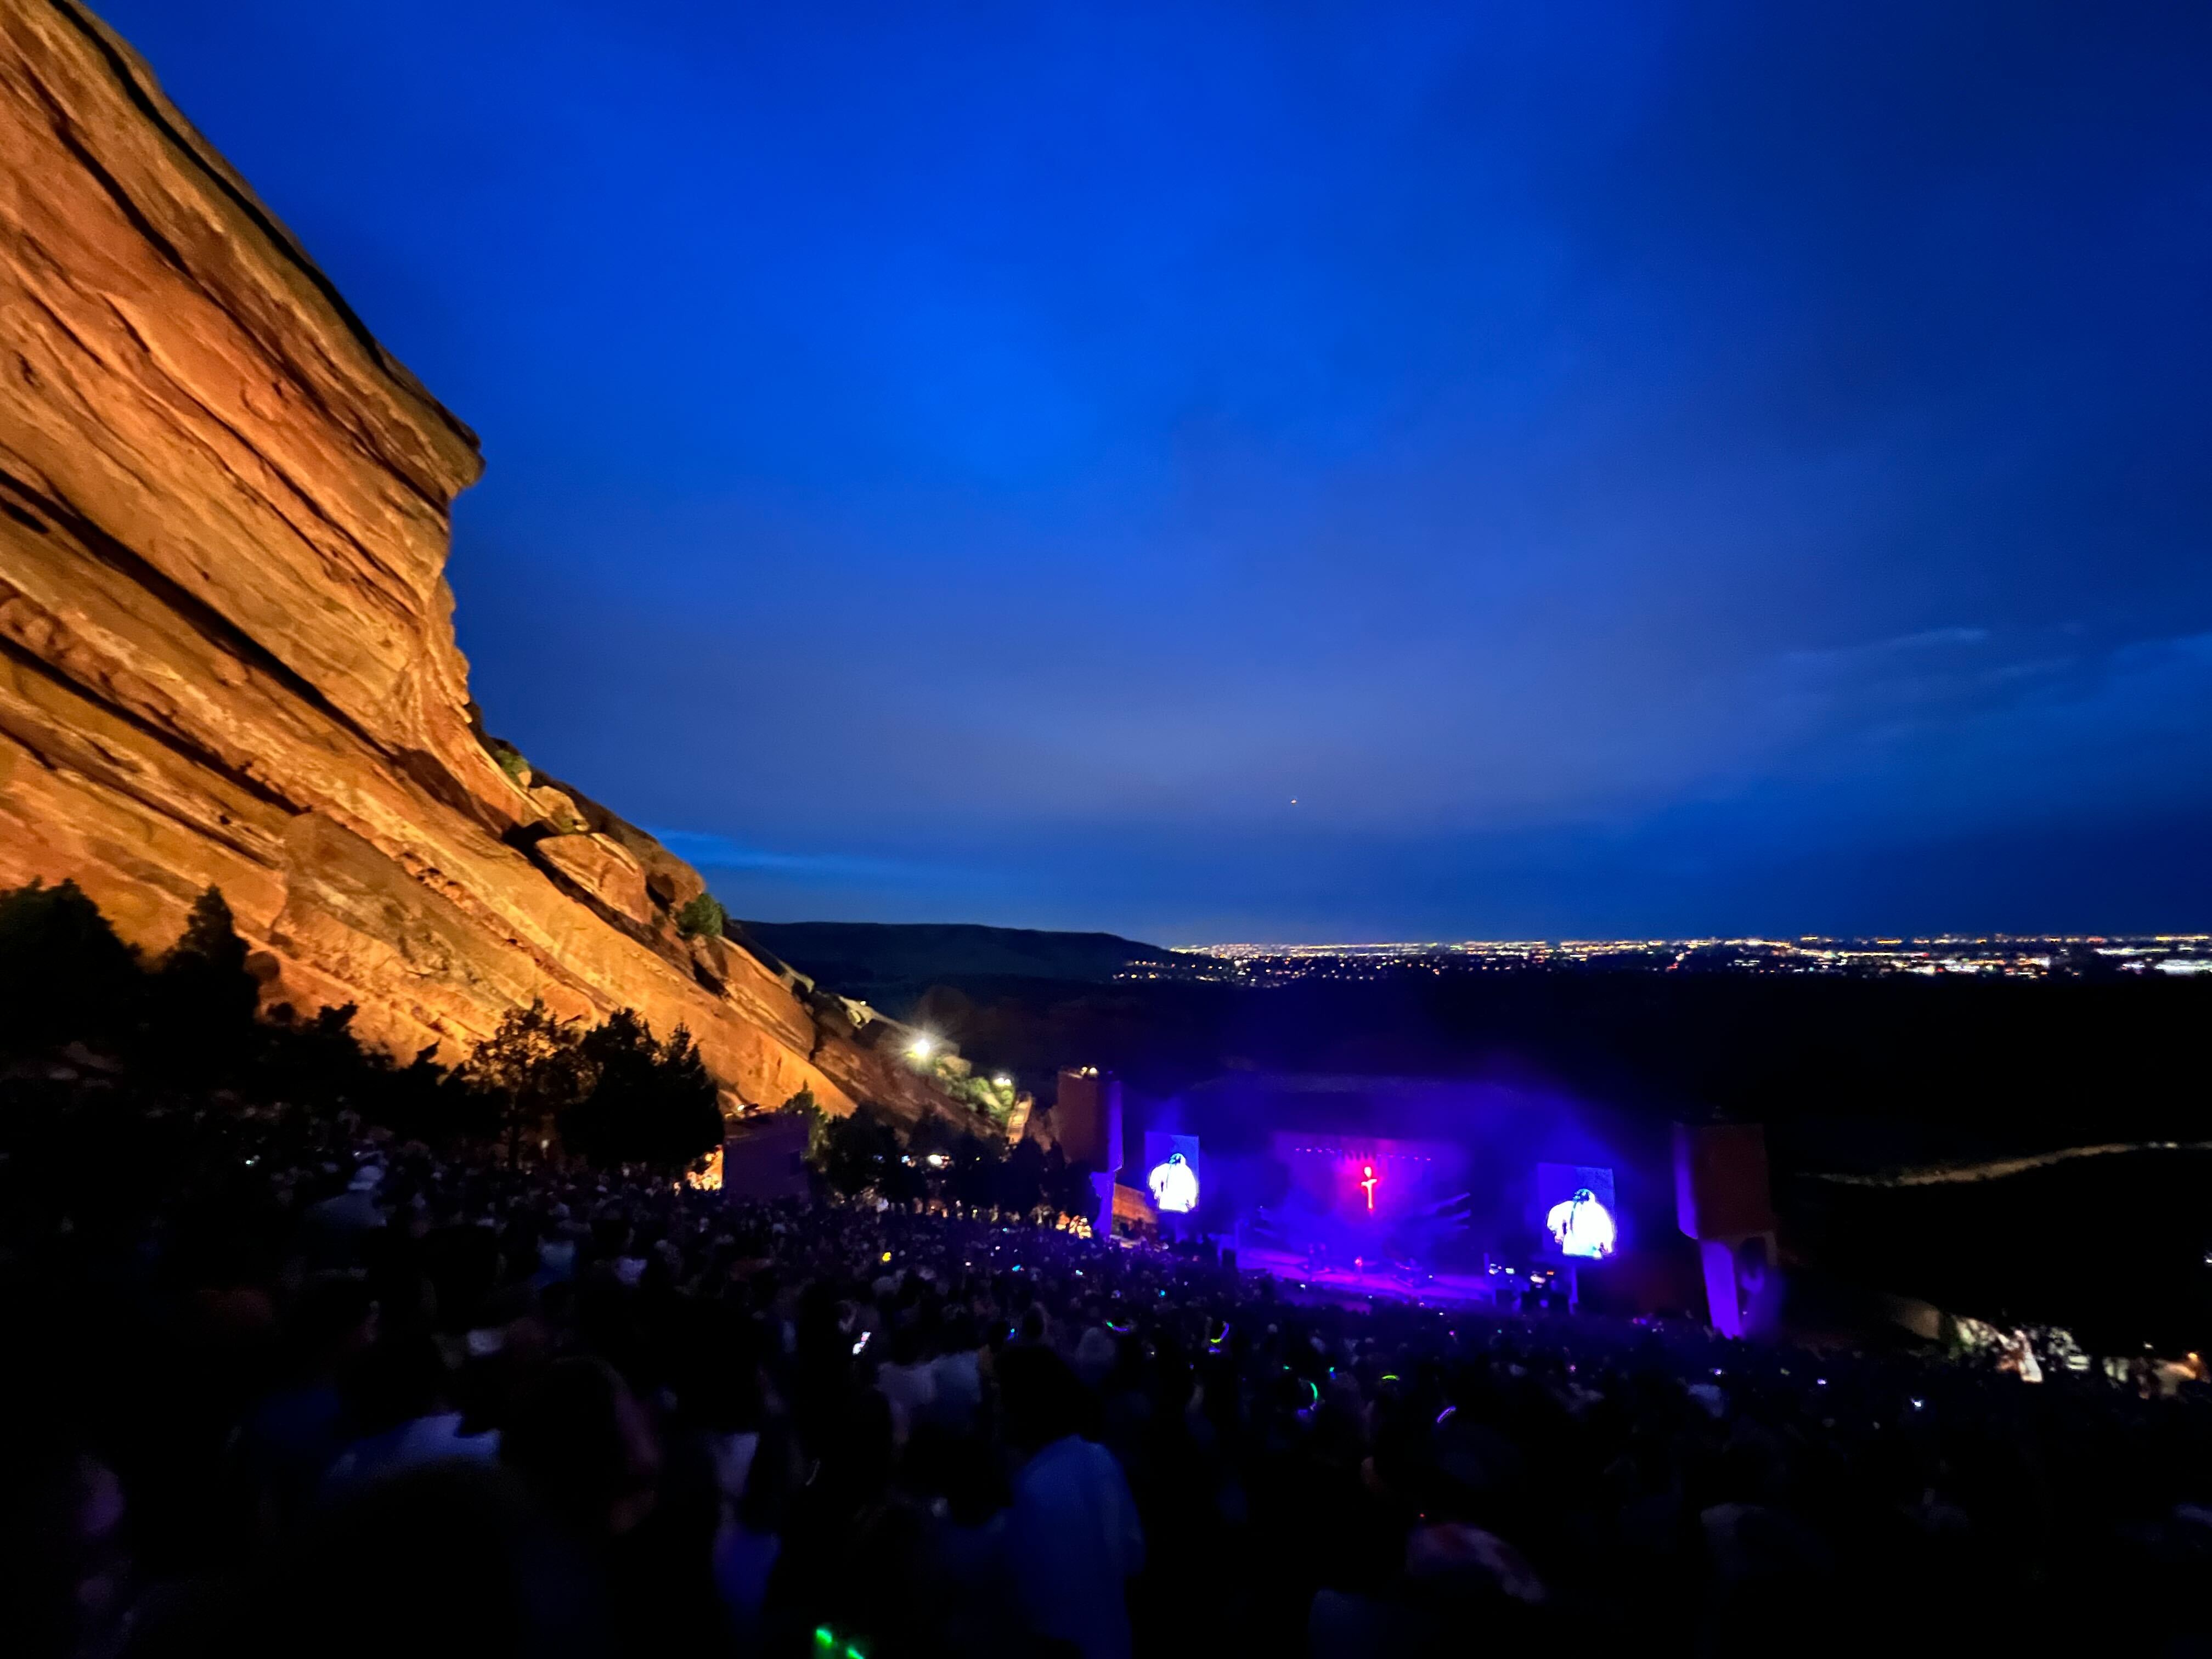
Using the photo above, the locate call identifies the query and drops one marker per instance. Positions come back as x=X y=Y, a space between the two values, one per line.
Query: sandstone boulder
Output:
x=602 y=869
x=558 y=810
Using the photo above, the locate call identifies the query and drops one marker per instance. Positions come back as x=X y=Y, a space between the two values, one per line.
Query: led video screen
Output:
x=1576 y=1201
x=1171 y=1172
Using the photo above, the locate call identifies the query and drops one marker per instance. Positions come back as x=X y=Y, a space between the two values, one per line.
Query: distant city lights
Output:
x=1999 y=955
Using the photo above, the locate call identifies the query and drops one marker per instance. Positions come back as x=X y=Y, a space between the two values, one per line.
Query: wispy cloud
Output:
x=714 y=852
x=2122 y=726
x=1901 y=645
x=710 y=851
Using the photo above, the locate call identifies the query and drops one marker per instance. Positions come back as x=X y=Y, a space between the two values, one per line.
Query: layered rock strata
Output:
x=227 y=650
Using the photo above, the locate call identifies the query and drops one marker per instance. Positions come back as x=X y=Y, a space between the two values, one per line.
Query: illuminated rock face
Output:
x=227 y=650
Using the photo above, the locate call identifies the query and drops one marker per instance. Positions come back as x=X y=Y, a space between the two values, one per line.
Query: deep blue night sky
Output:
x=1622 y=469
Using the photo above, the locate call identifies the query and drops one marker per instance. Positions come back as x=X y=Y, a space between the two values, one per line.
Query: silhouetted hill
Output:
x=1847 y=1074
x=869 y=956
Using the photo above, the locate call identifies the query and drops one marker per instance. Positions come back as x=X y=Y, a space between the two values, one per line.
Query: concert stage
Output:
x=1452 y=1193
x=1296 y=1274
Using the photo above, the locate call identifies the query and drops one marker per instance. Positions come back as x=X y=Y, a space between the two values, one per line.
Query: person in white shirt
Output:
x=909 y=1381
x=959 y=1374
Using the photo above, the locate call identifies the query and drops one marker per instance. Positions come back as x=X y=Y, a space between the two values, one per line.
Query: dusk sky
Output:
x=1299 y=471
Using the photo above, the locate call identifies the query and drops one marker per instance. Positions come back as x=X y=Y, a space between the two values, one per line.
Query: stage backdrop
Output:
x=1357 y=1177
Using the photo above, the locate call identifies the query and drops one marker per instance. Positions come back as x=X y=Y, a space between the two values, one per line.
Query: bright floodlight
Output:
x=921 y=1047
x=1582 y=1226
x=1175 y=1185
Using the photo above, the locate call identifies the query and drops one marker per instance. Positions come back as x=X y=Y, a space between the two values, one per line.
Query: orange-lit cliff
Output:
x=227 y=648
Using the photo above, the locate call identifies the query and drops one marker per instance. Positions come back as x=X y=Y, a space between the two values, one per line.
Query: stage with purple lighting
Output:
x=1507 y=1202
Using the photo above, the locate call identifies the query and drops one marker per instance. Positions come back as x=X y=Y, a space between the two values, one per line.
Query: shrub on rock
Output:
x=702 y=918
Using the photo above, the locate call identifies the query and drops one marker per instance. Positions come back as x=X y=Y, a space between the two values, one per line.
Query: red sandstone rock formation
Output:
x=226 y=650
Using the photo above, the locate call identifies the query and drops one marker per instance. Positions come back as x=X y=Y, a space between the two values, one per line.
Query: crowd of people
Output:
x=318 y=1390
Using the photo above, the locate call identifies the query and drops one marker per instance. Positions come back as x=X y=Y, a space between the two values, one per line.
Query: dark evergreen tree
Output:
x=64 y=976
x=201 y=1024
x=859 y=1153
x=1066 y=1187
x=702 y=918
x=803 y=1104
x=650 y=1102
x=209 y=944
x=1019 y=1183
x=532 y=1070
x=318 y=1061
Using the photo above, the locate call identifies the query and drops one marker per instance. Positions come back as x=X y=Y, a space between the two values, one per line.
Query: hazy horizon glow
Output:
x=1621 y=470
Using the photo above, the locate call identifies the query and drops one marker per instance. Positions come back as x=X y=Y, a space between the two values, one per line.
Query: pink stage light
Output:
x=1367 y=1186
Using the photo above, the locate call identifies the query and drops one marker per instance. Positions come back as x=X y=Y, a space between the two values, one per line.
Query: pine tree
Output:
x=533 y=1069
x=64 y=975
x=203 y=997
x=210 y=936
x=702 y=918
x=651 y=1104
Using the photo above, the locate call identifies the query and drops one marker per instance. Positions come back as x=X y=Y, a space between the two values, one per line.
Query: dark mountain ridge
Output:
x=883 y=960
